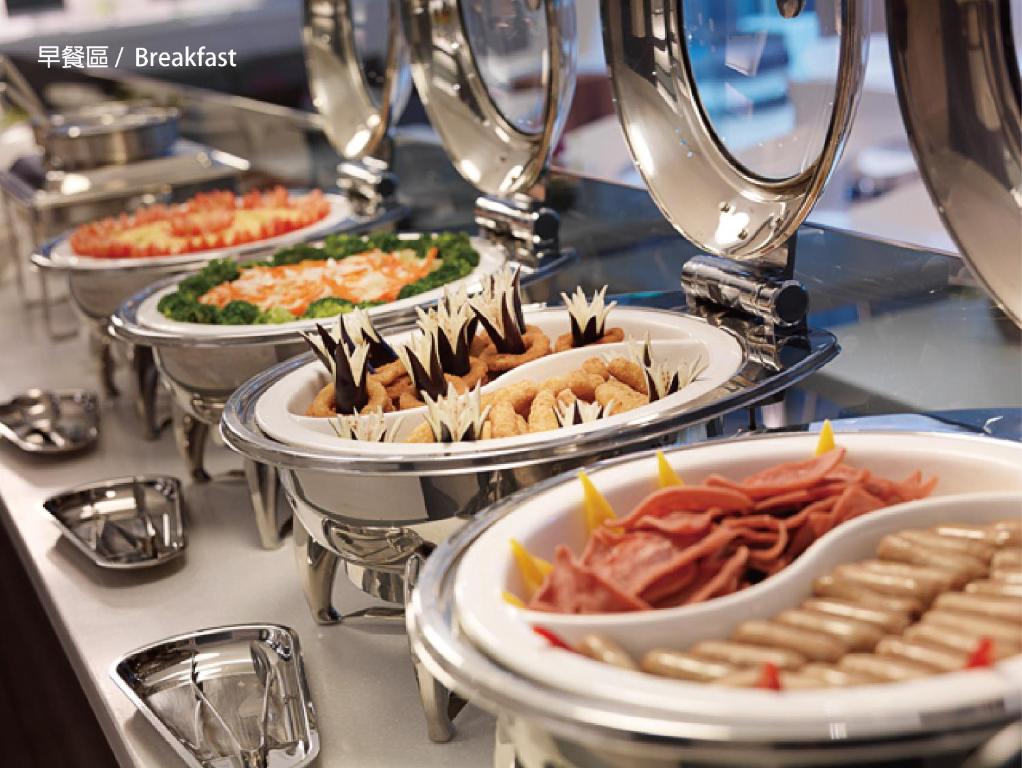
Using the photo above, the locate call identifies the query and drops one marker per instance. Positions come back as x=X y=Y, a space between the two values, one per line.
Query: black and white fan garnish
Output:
x=452 y=324
x=421 y=359
x=588 y=318
x=351 y=378
x=369 y=427
x=456 y=418
x=499 y=309
x=580 y=412
x=665 y=379
x=357 y=327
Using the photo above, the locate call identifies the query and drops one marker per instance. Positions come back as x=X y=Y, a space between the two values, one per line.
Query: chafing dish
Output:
x=52 y=423
x=557 y=708
x=126 y=523
x=233 y=695
x=203 y=365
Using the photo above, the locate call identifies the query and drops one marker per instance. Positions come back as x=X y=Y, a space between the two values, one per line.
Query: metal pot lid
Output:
x=957 y=74
x=692 y=171
x=469 y=61
x=358 y=71
x=765 y=369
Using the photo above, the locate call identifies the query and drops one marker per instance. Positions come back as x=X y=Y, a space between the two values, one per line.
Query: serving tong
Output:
x=51 y=422
x=227 y=697
x=126 y=523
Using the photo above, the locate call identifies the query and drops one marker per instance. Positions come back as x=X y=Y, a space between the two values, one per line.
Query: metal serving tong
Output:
x=45 y=422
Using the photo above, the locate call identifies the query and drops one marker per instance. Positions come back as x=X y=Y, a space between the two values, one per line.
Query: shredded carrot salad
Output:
x=374 y=275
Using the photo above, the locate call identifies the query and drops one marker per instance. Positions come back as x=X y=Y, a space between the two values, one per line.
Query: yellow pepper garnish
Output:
x=826 y=441
x=666 y=476
x=512 y=599
x=596 y=508
x=532 y=569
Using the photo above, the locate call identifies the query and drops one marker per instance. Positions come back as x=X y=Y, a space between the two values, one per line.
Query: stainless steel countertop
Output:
x=360 y=675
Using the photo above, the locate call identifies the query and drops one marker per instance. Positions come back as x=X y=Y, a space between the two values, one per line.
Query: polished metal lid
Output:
x=497 y=80
x=711 y=194
x=957 y=72
x=358 y=72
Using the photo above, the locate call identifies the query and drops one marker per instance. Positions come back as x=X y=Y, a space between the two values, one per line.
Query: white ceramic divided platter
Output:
x=279 y=412
x=979 y=482
x=62 y=256
x=491 y=258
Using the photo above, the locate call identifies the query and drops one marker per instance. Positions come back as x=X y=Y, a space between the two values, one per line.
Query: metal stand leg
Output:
x=147 y=380
x=263 y=487
x=190 y=435
x=317 y=567
x=440 y=704
x=107 y=367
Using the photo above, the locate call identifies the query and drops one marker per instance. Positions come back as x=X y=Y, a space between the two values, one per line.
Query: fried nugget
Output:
x=625 y=398
x=537 y=344
x=566 y=397
x=584 y=384
x=610 y=336
x=389 y=373
x=503 y=419
x=542 y=416
x=521 y=424
x=628 y=372
x=554 y=384
x=422 y=434
x=519 y=395
x=479 y=343
x=596 y=365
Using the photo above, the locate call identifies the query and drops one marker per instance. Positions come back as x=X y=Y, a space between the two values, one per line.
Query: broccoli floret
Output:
x=239 y=313
x=328 y=307
x=295 y=254
x=275 y=316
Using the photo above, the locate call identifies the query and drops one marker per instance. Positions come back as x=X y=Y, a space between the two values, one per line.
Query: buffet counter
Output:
x=916 y=334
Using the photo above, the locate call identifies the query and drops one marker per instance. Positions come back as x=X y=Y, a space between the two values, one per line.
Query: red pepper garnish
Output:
x=983 y=655
x=553 y=638
x=769 y=677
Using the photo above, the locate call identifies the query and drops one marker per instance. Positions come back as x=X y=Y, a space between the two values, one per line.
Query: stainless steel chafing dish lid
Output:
x=358 y=107
x=956 y=70
x=450 y=42
x=713 y=199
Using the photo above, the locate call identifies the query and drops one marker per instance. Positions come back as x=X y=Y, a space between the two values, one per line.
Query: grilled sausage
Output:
x=832 y=676
x=889 y=621
x=882 y=669
x=828 y=586
x=742 y=655
x=683 y=666
x=812 y=645
x=981 y=550
x=898 y=548
x=978 y=627
x=945 y=637
x=1001 y=608
x=607 y=651
x=992 y=587
x=937 y=659
x=854 y=635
